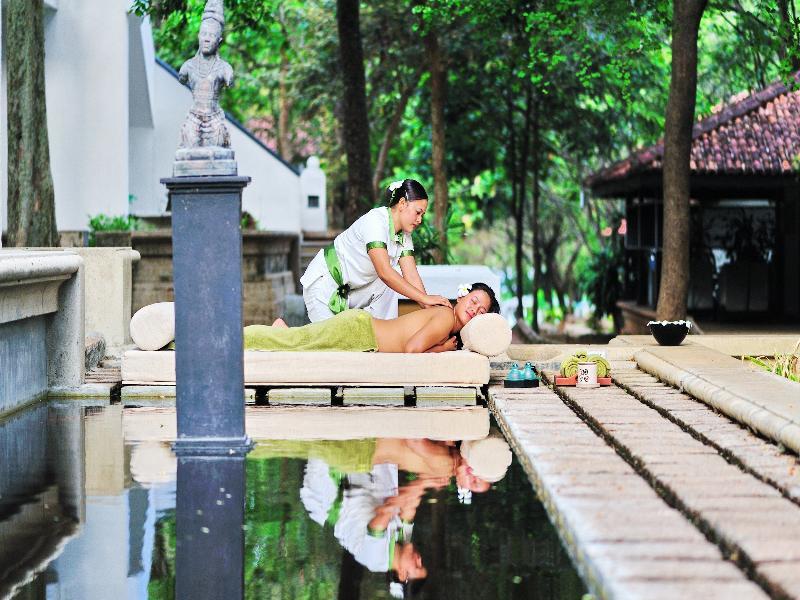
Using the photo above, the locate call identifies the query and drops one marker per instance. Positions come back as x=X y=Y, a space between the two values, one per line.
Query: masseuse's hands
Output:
x=428 y=301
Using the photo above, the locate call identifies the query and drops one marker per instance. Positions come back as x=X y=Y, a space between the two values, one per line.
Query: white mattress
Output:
x=326 y=423
x=326 y=368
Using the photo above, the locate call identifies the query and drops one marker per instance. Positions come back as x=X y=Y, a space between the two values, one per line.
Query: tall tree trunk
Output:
x=391 y=131
x=788 y=48
x=284 y=106
x=677 y=146
x=525 y=150
x=356 y=125
x=438 y=81
x=513 y=169
x=536 y=168
x=31 y=203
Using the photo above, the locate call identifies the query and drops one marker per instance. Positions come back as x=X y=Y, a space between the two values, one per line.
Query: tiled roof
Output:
x=754 y=134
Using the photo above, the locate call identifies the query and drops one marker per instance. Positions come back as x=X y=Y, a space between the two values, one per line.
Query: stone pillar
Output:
x=209 y=357
x=209 y=519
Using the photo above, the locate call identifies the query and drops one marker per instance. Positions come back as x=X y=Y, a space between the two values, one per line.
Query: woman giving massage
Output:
x=356 y=330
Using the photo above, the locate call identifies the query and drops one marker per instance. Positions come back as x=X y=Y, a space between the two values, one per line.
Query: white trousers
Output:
x=376 y=298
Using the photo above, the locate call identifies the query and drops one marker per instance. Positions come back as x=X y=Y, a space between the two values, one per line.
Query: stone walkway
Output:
x=735 y=443
x=625 y=540
x=640 y=470
x=765 y=402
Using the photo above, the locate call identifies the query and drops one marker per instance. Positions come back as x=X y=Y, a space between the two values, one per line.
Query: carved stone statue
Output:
x=204 y=147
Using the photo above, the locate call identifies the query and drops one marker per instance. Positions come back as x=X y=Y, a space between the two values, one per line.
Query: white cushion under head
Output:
x=487 y=334
x=489 y=457
x=153 y=326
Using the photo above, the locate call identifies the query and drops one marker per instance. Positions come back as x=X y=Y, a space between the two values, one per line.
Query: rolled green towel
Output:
x=603 y=368
x=569 y=368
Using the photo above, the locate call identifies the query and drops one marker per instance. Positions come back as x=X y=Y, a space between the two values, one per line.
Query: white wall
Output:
x=86 y=65
x=273 y=197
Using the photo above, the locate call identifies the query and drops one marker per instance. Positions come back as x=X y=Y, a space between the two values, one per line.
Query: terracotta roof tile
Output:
x=757 y=134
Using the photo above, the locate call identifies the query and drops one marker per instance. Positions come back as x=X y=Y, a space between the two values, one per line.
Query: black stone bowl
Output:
x=670 y=333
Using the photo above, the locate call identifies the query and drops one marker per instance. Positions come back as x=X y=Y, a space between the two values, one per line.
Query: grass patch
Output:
x=783 y=365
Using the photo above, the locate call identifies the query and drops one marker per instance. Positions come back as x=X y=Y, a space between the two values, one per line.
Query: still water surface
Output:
x=84 y=515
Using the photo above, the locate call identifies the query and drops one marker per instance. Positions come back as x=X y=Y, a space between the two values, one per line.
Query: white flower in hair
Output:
x=396 y=589
x=463 y=290
x=395 y=184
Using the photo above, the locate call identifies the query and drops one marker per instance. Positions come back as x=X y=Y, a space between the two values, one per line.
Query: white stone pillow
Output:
x=487 y=334
x=153 y=326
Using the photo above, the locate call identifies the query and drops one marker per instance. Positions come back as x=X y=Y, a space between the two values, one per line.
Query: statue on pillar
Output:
x=204 y=147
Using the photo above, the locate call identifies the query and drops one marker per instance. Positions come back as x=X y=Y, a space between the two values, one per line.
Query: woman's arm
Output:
x=393 y=279
x=409 y=268
x=450 y=344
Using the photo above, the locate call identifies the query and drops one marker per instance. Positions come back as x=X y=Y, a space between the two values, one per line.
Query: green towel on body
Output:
x=344 y=456
x=349 y=331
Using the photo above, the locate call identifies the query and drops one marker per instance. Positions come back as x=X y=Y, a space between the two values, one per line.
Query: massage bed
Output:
x=486 y=335
x=454 y=369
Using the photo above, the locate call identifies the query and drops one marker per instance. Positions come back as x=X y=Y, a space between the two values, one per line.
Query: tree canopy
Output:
x=538 y=94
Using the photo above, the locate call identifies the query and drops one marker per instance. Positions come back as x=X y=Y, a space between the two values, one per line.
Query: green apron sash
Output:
x=338 y=301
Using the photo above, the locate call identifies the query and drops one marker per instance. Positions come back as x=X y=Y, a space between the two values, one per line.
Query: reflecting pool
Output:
x=87 y=515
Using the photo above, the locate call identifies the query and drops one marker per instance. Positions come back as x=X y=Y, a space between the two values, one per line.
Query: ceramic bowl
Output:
x=669 y=333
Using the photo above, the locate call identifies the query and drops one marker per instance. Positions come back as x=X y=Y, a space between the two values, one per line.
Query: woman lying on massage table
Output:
x=355 y=330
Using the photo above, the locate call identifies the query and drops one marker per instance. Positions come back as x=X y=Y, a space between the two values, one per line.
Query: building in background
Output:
x=745 y=214
x=114 y=113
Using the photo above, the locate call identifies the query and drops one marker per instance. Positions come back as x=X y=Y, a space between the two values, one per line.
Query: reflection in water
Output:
x=41 y=490
x=322 y=519
x=210 y=540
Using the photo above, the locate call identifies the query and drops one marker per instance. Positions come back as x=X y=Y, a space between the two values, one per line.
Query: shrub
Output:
x=103 y=222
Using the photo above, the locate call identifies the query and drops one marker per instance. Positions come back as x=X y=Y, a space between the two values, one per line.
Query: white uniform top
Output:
x=366 y=493
x=352 y=249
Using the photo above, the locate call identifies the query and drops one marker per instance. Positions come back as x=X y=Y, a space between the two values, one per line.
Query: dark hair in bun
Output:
x=410 y=189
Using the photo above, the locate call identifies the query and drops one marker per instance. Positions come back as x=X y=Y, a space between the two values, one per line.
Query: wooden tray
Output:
x=567 y=381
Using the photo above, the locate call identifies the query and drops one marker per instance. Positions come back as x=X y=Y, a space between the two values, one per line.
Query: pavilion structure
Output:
x=745 y=213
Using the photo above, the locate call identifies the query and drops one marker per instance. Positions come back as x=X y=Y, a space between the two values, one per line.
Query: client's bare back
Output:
x=392 y=335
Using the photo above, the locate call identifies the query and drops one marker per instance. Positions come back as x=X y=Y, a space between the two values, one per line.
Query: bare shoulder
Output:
x=427 y=316
x=441 y=316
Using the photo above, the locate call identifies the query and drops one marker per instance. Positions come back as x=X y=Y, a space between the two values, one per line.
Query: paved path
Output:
x=750 y=520
x=738 y=445
x=767 y=403
x=625 y=539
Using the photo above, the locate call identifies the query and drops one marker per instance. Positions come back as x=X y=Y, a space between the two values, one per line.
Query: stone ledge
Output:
x=86 y=390
x=29 y=282
x=732 y=345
